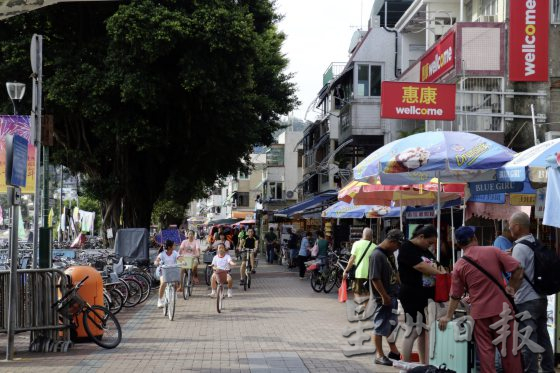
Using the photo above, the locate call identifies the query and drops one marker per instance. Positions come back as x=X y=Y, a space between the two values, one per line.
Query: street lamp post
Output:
x=15 y=91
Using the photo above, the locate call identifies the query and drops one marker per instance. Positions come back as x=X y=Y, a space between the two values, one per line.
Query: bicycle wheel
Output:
x=145 y=282
x=166 y=300
x=135 y=294
x=172 y=299
x=102 y=327
x=184 y=282
x=116 y=301
x=208 y=275
x=249 y=280
x=330 y=281
x=190 y=281
x=123 y=287
x=317 y=283
x=219 y=298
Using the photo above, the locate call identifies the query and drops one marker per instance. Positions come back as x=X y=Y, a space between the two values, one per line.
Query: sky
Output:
x=318 y=33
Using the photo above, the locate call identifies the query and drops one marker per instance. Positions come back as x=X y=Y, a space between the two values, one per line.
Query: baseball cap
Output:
x=464 y=234
x=395 y=235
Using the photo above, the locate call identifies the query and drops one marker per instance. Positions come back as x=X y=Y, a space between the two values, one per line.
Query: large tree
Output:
x=154 y=99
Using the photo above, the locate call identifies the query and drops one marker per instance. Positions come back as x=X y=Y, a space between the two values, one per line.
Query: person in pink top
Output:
x=487 y=300
x=191 y=247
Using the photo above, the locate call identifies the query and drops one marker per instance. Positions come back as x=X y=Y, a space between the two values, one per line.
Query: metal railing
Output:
x=39 y=289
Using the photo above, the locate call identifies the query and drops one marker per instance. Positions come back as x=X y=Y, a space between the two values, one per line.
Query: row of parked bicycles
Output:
x=124 y=286
x=327 y=272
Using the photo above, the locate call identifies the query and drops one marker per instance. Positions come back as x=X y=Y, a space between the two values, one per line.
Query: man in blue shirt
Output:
x=504 y=240
x=304 y=249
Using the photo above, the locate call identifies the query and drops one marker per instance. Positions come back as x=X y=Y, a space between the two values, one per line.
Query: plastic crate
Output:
x=171 y=274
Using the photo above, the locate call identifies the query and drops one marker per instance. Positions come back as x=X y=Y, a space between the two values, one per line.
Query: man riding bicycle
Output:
x=167 y=257
x=224 y=262
x=250 y=243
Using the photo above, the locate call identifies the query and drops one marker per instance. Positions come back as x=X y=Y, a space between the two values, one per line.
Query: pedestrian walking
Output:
x=385 y=282
x=417 y=271
x=304 y=249
x=527 y=298
x=486 y=296
x=361 y=250
x=293 y=248
x=270 y=239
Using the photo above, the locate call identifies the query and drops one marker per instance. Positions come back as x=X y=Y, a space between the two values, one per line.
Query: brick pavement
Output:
x=279 y=325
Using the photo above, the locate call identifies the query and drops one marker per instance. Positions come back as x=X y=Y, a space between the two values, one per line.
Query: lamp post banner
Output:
x=421 y=101
x=528 y=40
x=17 y=125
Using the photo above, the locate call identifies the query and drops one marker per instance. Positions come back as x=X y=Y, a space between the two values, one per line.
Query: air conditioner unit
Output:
x=492 y=18
x=551 y=135
x=289 y=194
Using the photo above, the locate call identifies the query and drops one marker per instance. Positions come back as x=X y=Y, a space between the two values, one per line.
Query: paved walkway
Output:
x=279 y=325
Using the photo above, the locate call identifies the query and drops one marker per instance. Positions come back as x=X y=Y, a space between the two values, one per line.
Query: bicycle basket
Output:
x=221 y=276
x=185 y=262
x=171 y=274
x=208 y=256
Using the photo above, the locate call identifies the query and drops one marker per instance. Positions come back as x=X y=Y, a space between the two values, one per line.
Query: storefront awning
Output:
x=312 y=202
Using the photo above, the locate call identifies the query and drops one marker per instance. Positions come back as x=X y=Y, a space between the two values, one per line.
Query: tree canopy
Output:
x=154 y=99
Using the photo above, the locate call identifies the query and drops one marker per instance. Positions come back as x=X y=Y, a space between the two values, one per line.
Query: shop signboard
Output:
x=539 y=203
x=528 y=40
x=492 y=187
x=419 y=101
x=430 y=214
x=439 y=60
x=498 y=198
x=522 y=199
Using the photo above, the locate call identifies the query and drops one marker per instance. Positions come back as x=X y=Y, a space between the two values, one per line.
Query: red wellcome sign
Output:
x=423 y=101
x=439 y=60
x=528 y=41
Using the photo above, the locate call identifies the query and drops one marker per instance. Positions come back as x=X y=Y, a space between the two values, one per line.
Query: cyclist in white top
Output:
x=167 y=257
x=190 y=247
x=224 y=262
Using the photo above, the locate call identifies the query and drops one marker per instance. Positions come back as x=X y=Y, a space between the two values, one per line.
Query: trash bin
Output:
x=91 y=291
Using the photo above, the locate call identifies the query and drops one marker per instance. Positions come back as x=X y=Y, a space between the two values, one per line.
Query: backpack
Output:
x=547 y=266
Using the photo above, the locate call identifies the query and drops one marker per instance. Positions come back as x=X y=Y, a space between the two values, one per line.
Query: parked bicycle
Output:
x=101 y=326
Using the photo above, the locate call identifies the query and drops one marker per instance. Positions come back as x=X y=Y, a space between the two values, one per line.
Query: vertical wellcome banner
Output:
x=528 y=40
x=17 y=125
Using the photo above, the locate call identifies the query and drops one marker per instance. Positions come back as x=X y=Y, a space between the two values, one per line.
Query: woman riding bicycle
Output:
x=250 y=242
x=167 y=257
x=190 y=247
x=222 y=261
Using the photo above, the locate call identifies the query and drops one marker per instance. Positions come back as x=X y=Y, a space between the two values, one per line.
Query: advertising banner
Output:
x=17 y=125
x=528 y=41
x=439 y=60
x=421 y=101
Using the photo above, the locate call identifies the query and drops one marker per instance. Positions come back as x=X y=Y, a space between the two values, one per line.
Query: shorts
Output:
x=360 y=286
x=385 y=318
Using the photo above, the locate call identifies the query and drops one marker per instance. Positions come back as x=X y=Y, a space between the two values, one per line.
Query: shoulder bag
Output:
x=477 y=266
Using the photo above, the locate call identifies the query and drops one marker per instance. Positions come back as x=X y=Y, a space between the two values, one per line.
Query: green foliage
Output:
x=403 y=134
x=167 y=212
x=154 y=99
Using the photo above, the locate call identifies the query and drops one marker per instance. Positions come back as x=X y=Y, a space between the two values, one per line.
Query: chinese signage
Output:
x=528 y=41
x=17 y=125
x=439 y=60
x=421 y=101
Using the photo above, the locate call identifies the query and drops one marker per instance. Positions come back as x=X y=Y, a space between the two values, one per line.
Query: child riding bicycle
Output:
x=167 y=257
x=222 y=261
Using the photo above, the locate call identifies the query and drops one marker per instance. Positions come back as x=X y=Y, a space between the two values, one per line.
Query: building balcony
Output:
x=333 y=71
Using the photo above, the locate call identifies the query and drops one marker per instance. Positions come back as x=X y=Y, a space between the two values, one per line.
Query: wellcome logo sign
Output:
x=404 y=100
x=439 y=60
x=528 y=49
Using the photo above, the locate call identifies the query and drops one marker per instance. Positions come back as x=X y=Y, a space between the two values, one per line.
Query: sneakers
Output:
x=394 y=356
x=160 y=303
x=229 y=294
x=383 y=361
x=212 y=294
